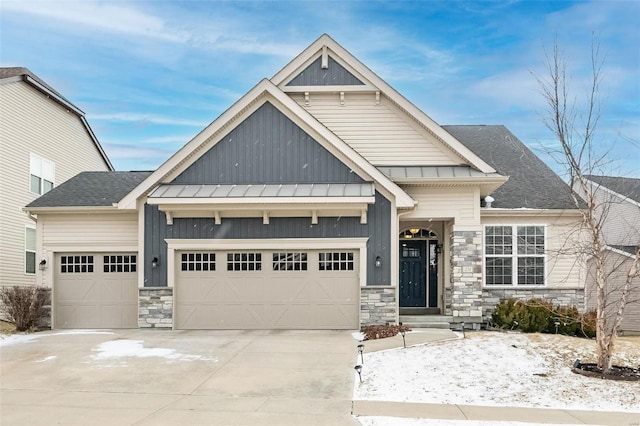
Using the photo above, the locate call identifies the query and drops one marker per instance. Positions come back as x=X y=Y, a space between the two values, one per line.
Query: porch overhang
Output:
x=265 y=201
x=444 y=176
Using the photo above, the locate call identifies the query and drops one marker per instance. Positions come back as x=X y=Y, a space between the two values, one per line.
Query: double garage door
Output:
x=270 y=289
x=95 y=290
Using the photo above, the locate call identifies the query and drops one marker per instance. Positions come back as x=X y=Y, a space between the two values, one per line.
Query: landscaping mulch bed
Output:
x=616 y=373
x=373 y=332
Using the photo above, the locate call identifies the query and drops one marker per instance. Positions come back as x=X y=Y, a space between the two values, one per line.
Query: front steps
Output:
x=441 y=321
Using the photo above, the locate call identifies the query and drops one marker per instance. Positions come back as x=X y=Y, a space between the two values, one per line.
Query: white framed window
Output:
x=29 y=250
x=244 y=261
x=42 y=174
x=290 y=261
x=198 y=261
x=514 y=255
x=336 y=261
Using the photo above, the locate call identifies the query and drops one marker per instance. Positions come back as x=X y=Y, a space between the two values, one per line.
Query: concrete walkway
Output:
x=489 y=414
x=474 y=412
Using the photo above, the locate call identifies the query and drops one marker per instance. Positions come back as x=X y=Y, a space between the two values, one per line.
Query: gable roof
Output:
x=261 y=93
x=90 y=189
x=625 y=187
x=325 y=45
x=11 y=74
x=532 y=184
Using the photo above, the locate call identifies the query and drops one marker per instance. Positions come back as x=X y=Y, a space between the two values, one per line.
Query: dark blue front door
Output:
x=413 y=257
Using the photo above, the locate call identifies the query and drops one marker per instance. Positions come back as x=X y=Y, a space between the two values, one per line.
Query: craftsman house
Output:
x=322 y=199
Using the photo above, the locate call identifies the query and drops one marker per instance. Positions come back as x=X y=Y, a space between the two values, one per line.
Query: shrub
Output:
x=540 y=316
x=587 y=327
x=23 y=305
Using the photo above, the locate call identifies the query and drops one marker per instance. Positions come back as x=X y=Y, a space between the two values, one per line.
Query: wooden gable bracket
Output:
x=306 y=98
x=216 y=218
x=314 y=217
x=341 y=98
x=265 y=217
x=325 y=58
x=169 y=217
x=363 y=216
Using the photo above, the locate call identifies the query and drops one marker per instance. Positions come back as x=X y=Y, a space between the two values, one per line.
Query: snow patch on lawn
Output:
x=495 y=369
x=135 y=348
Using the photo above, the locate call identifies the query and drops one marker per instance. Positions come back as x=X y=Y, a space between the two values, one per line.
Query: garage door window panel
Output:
x=244 y=261
x=76 y=264
x=290 y=261
x=198 y=261
x=336 y=261
x=119 y=263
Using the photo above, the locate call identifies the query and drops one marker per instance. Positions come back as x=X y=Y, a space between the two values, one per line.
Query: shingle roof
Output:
x=628 y=187
x=91 y=189
x=531 y=184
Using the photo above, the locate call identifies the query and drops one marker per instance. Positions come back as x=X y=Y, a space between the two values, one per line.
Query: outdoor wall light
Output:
x=43 y=264
x=438 y=248
x=378 y=261
x=155 y=262
x=361 y=351
x=358 y=369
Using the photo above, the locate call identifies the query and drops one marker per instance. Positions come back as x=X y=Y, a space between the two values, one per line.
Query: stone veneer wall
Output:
x=558 y=296
x=378 y=305
x=155 y=309
x=464 y=298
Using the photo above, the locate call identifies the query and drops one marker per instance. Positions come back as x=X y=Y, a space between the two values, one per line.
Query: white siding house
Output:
x=39 y=130
x=618 y=203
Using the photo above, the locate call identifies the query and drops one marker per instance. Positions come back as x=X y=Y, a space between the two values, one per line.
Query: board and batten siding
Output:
x=267 y=148
x=563 y=270
x=334 y=75
x=33 y=123
x=377 y=229
x=440 y=203
x=382 y=134
x=84 y=232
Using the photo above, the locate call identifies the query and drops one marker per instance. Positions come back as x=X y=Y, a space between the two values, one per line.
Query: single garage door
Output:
x=96 y=290
x=278 y=289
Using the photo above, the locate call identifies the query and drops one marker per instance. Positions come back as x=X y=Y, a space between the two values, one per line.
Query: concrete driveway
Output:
x=149 y=377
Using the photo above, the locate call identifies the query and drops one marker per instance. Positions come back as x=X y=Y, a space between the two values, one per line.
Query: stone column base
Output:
x=378 y=305
x=155 y=307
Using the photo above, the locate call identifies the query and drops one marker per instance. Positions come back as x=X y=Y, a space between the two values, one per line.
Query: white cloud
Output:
x=118 y=18
x=149 y=118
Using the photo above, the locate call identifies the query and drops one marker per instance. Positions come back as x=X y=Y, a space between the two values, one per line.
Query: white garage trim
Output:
x=266 y=244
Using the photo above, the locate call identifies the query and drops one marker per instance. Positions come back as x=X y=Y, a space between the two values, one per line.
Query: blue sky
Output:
x=151 y=74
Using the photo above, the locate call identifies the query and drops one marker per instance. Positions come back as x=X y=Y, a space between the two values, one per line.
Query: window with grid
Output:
x=41 y=174
x=76 y=264
x=524 y=265
x=290 y=261
x=119 y=263
x=200 y=261
x=29 y=250
x=244 y=261
x=336 y=261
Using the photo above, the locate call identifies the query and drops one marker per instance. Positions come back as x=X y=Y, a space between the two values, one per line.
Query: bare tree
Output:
x=574 y=125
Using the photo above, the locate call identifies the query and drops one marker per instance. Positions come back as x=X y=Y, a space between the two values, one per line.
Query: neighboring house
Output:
x=44 y=140
x=618 y=201
x=321 y=199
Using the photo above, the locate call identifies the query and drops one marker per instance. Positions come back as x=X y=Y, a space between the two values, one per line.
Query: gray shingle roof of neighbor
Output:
x=532 y=184
x=628 y=187
x=91 y=189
